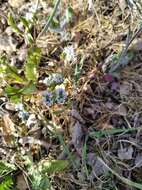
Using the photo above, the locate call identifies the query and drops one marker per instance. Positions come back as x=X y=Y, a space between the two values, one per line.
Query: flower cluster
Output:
x=28 y=118
x=32 y=10
x=32 y=120
x=53 y=79
x=58 y=96
x=48 y=98
x=69 y=53
x=22 y=113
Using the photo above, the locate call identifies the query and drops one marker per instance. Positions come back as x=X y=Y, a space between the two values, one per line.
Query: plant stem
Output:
x=50 y=19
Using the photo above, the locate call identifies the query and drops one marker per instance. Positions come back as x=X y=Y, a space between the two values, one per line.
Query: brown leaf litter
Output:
x=109 y=103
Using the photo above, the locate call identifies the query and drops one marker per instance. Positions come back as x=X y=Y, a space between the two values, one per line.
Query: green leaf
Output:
x=11 y=90
x=55 y=24
x=25 y=23
x=51 y=166
x=99 y=134
x=69 y=14
x=6 y=168
x=7 y=183
x=29 y=89
x=33 y=59
x=44 y=183
x=12 y=74
x=40 y=181
x=29 y=38
x=78 y=69
x=12 y=23
x=50 y=18
x=9 y=72
x=14 y=94
x=16 y=99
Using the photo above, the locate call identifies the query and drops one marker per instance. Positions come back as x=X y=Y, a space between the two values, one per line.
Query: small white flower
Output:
x=31 y=120
x=29 y=16
x=32 y=10
x=65 y=36
x=55 y=78
x=47 y=80
x=90 y=5
x=19 y=107
x=23 y=115
x=69 y=53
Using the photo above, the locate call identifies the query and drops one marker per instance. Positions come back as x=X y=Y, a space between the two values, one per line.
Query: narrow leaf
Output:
x=69 y=14
x=33 y=59
x=7 y=183
x=11 y=90
x=12 y=23
x=12 y=74
x=25 y=23
x=51 y=166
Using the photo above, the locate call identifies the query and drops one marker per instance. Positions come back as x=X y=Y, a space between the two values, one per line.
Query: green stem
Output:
x=99 y=134
x=50 y=19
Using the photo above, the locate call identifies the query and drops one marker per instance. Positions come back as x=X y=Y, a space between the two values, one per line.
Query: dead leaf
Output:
x=125 y=153
x=106 y=126
x=77 y=116
x=90 y=5
x=115 y=86
x=98 y=168
x=8 y=129
x=7 y=43
x=137 y=45
x=10 y=106
x=138 y=160
x=77 y=136
x=109 y=105
x=122 y=110
x=91 y=159
x=31 y=140
x=21 y=183
x=125 y=89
